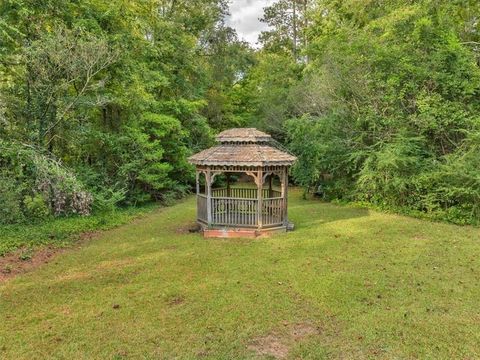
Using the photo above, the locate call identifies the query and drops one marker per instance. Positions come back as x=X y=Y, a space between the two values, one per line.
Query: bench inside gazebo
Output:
x=232 y=211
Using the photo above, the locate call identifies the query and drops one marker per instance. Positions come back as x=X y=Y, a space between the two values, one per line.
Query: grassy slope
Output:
x=377 y=285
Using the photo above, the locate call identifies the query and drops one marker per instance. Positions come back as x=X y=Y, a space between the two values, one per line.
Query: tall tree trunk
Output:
x=305 y=26
x=294 y=29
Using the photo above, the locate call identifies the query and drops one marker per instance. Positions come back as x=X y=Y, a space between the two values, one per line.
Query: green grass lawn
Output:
x=347 y=283
x=62 y=231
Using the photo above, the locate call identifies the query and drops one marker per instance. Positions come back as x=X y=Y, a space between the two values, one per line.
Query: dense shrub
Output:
x=10 y=201
x=35 y=207
x=34 y=186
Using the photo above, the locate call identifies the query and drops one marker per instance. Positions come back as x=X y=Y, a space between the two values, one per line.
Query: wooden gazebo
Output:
x=242 y=211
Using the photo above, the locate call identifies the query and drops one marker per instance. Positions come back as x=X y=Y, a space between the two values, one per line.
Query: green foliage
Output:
x=10 y=200
x=35 y=207
x=112 y=97
x=452 y=191
x=34 y=185
x=107 y=200
x=387 y=176
x=157 y=160
x=263 y=96
x=109 y=98
x=302 y=137
x=288 y=20
x=389 y=108
x=26 y=254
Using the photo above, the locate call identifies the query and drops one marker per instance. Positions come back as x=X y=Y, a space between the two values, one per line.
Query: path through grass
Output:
x=347 y=283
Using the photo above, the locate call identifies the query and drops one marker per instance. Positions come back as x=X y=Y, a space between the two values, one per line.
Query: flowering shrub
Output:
x=37 y=186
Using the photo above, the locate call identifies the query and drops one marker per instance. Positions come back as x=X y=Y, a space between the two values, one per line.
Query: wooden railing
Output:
x=272 y=212
x=240 y=207
x=245 y=193
x=239 y=212
x=267 y=194
x=202 y=208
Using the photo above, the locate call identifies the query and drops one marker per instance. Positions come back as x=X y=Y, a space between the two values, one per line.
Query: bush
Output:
x=33 y=185
x=35 y=207
x=10 y=201
x=107 y=200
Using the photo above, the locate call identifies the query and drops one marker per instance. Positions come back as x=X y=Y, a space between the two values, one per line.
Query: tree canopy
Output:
x=101 y=102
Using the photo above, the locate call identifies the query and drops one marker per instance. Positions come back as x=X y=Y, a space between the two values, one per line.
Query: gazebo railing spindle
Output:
x=240 y=209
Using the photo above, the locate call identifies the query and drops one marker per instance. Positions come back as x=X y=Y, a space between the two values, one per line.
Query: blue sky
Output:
x=244 y=17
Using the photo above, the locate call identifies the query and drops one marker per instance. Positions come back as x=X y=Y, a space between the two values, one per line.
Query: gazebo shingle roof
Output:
x=251 y=135
x=243 y=147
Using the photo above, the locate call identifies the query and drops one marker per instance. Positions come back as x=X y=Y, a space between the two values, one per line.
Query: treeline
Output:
x=380 y=100
x=101 y=101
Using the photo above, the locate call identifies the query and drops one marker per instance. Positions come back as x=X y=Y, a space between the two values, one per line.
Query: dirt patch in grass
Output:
x=272 y=345
x=27 y=259
x=278 y=343
x=189 y=228
x=23 y=260
x=176 y=300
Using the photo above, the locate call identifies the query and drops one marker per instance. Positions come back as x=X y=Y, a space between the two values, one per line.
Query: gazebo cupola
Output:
x=243 y=210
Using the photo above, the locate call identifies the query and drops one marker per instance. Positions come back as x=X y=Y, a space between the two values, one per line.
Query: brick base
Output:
x=229 y=233
x=240 y=233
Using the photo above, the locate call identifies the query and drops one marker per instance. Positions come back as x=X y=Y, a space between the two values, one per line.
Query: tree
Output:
x=116 y=91
x=229 y=61
x=288 y=20
x=390 y=92
x=62 y=76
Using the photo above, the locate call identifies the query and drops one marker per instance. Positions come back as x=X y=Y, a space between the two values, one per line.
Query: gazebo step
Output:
x=241 y=233
x=230 y=233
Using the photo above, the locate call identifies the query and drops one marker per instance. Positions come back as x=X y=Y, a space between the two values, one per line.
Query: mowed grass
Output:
x=61 y=232
x=374 y=286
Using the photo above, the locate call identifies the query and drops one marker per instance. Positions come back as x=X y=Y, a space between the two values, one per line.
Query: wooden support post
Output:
x=270 y=193
x=197 y=181
x=197 y=186
x=208 y=181
x=260 y=198
x=228 y=184
x=285 y=196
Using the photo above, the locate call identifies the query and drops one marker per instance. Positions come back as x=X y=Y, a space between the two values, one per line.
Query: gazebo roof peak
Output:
x=248 y=135
x=243 y=147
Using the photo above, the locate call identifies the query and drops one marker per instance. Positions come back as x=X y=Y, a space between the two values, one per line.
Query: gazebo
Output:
x=248 y=211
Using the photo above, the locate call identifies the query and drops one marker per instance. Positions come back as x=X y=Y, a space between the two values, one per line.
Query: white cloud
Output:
x=245 y=18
